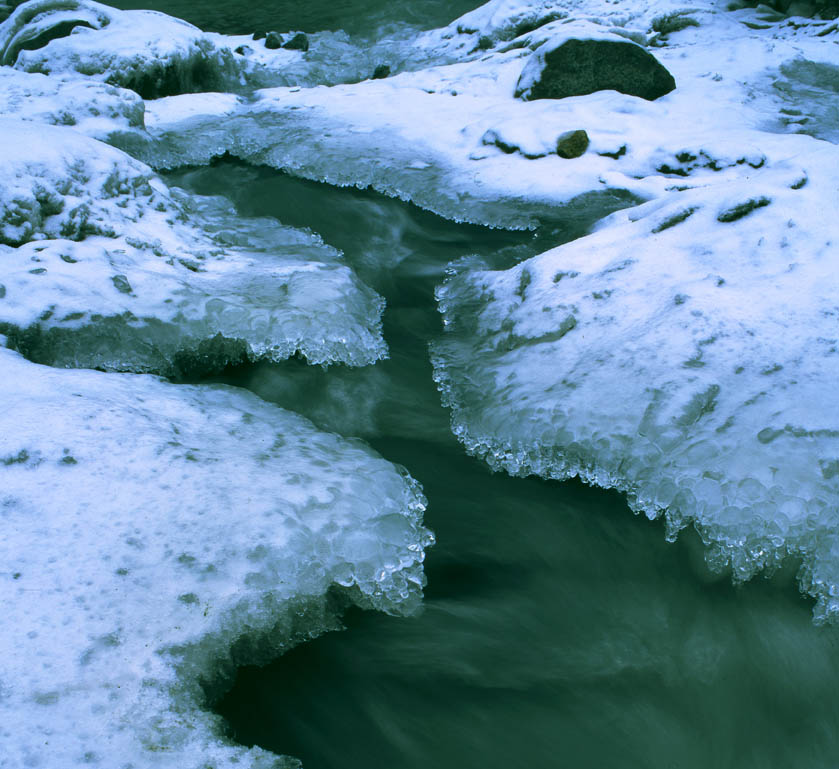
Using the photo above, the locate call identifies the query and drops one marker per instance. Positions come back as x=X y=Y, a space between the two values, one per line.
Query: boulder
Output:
x=577 y=67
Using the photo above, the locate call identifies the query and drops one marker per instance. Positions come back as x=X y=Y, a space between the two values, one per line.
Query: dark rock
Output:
x=244 y=50
x=381 y=72
x=299 y=42
x=578 y=67
x=743 y=209
x=257 y=36
x=572 y=144
x=273 y=40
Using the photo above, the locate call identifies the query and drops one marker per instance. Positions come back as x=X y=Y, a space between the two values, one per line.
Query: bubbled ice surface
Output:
x=685 y=353
x=151 y=528
x=114 y=270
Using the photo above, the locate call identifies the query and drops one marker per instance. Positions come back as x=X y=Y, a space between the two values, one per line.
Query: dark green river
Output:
x=559 y=629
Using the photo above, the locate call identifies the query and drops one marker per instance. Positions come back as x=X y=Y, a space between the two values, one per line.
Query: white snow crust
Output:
x=420 y=135
x=685 y=353
x=89 y=106
x=111 y=270
x=146 y=51
x=154 y=537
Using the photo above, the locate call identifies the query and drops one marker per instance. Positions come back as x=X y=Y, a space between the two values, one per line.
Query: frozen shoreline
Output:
x=613 y=357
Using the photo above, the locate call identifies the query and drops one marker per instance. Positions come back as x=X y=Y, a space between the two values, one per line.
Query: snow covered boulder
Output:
x=575 y=67
x=149 y=52
x=155 y=537
x=101 y=265
x=90 y=107
x=685 y=353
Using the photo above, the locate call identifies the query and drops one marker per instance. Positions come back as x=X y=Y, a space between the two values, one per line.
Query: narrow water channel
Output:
x=558 y=629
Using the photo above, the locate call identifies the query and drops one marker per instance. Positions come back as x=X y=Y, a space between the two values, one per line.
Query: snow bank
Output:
x=89 y=106
x=112 y=270
x=685 y=353
x=156 y=536
x=420 y=135
x=149 y=52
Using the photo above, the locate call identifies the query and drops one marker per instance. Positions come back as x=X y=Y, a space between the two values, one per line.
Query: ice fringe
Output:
x=685 y=353
x=148 y=52
x=112 y=270
x=155 y=536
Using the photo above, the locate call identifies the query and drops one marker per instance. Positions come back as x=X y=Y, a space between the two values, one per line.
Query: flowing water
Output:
x=353 y=16
x=558 y=629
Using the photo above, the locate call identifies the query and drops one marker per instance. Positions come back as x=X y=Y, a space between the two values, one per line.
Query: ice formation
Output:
x=148 y=52
x=685 y=353
x=155 y=536
x=158 y=535
x=102 y=266
x=420 y=134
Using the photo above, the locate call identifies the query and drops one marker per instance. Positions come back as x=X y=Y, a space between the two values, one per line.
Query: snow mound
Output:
x=112 y=270
x=149 y=52
x=155 y=537
x=685 y=353
x=90 y=107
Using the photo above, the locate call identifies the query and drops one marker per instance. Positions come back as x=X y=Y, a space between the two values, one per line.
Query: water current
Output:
x=353 y=16
x=558 y=629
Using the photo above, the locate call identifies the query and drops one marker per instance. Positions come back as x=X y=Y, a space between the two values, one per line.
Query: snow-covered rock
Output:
x=149 y=52
x=89 y=106
x=576 y=66
x=155 y=536
x=419 y=135
x=101 y=265
x=685 y=353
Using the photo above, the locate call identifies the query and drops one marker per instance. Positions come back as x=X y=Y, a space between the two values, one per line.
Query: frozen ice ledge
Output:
x=686 y=353
x=103 y=266
x=156 y=536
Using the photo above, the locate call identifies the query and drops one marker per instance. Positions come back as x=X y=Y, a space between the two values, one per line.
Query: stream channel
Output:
x=558 y=629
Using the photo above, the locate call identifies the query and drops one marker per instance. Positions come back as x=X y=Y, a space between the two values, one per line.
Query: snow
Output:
x=146 y=51
x=114 y=271
x=90 y=107
x=420 y=135
x=158 y=535
x=685 y=353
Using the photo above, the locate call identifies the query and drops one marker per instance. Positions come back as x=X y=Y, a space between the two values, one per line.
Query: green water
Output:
x=354 y=16
x=559 y=629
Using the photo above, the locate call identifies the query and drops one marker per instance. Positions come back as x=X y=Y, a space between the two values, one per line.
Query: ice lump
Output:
x=155 y=536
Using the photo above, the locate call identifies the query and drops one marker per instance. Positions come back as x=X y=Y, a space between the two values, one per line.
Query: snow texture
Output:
x=420 y=135
x=104 y=267
x=89 y=106
x=685 y=353
x=155 y=536
x=146 y=51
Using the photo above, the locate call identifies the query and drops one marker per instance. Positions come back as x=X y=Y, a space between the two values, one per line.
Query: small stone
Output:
x=381 y=72
x=273 y=40
x=572 y=144
x=299 y=42
x=121 y=284
x=244 y=50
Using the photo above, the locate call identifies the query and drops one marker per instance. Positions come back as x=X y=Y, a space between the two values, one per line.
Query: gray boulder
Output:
x=577 y=67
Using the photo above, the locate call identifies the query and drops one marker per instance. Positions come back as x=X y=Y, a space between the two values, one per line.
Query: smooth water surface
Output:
x=354 y=16
x=559 y=629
